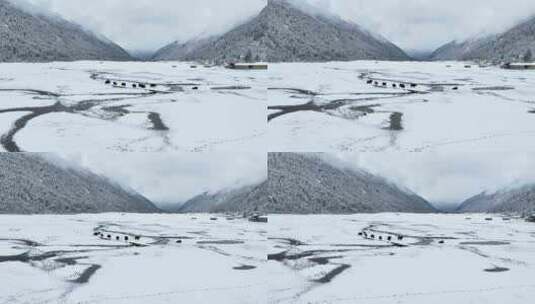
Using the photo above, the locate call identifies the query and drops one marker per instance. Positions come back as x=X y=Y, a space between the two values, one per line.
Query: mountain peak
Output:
x=289 y=31
x=278 y=3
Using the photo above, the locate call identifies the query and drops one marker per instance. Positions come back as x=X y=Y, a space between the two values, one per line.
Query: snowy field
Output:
x=292 y=259
x=374 y=106
x=354 y=106
x=145 y=107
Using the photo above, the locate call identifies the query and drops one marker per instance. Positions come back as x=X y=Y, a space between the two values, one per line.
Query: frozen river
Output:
x=338 y=106
x=130 y=106
x=383 y=258
x=399 y=106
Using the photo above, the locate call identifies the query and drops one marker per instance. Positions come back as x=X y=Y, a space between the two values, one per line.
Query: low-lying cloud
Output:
x=445 y=179
x=171 y=178
x=428 y=24
x=147 y=25
x=448 y=178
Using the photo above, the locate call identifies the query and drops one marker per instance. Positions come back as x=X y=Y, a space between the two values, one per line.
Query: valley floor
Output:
x=292 y=259
x=69 y=107
x=337 y=106
x=399 y=106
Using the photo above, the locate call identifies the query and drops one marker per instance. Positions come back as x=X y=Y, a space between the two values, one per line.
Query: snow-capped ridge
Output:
x=33 y=35
x=32 y=184
x=517 y=198
x=512 y=45
x=286 y=32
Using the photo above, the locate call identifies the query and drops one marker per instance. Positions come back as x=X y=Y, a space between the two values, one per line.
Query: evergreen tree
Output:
x=528 y=56
x=248 y=56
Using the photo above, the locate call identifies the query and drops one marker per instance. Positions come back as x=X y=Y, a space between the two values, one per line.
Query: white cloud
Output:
x=167 y=178
x=427 y=24
x=449 y=178
x=441 y=178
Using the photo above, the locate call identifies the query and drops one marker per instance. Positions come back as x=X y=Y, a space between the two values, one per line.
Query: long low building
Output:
x=247 y=66
x=519 y=66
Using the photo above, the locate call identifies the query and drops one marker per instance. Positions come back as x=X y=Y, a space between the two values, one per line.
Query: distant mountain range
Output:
x=286 y=32
x=306 y=184
x=247 y=199
x=33 y=37
x=515 y=44
x=182 y=51
x=465 y=50
x=297 y=184
x=310 y=184
x=519 y=200
x=31 y=184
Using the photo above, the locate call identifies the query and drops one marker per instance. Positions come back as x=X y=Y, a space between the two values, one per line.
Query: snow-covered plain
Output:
x=69 y=107
x=292 y=259
x=57 y=259
x=332 y=107
x=312 y=107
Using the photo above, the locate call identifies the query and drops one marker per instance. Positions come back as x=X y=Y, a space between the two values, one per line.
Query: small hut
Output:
x=258 y=219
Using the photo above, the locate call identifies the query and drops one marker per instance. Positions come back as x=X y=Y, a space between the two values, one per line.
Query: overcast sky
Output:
x=175 y=177
x=448 y=178
x=412 y=24
x=445 y=178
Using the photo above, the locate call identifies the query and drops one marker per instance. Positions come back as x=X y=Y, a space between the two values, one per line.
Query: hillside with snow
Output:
x=28 y=36
x=513 y=45
x=33 y=184
x=286 y=32
x=306 y=183
x=516 y=200
x=246 y=199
